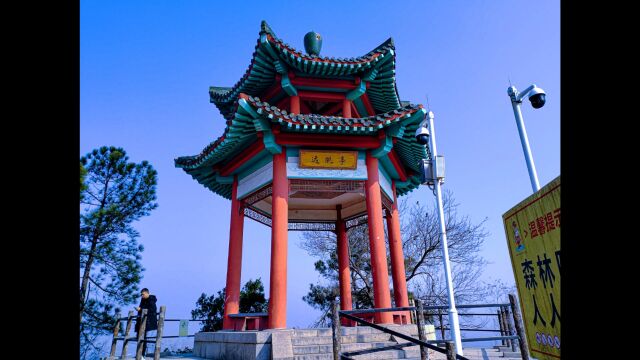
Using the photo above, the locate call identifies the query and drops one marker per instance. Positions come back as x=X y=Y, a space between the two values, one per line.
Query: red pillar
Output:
x=295 y=104
x=279 y=228
x=344 y=273
x=346 y=108
x=397 y=256
x=234 y=262
x=381 y=297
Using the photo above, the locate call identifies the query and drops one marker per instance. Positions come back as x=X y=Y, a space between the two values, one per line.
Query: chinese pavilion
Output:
x=313 y=143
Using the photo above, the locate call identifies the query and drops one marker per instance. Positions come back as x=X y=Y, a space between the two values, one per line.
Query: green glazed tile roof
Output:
x=272 y=56
x=243 y=127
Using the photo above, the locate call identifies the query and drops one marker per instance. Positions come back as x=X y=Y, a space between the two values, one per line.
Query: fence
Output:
x=141 y=339
x=506 y=330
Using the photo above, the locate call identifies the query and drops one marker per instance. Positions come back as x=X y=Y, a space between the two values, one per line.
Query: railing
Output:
x=506 y=330
x=141 y=339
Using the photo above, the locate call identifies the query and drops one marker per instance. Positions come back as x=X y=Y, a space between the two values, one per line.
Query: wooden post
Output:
x=414 y=320
x=501 y=323
x=524 y=346
x=451 y=350
x=156 y=355
x=509 y=327
x=421 y=335
x=441 y=324
x=125 y=342
x=116 y=331
x=142 y=327
x=335 y=326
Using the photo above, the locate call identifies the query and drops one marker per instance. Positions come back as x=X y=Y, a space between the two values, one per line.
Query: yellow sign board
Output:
x=326 y=159
x=533 y=236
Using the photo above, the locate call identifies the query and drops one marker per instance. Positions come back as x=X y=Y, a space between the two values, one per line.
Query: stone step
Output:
x=364 y=338
x=355 y=330
x=312 y=332
x=470 y=353
x=327 y=349
x=309 y=340
x=345 y=339
x=506 y=348
x=387 y=354
x=511 y=354
x=314 y=357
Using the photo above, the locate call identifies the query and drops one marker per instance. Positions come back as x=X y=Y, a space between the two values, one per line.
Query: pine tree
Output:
x=252 y=300
x=113 y=194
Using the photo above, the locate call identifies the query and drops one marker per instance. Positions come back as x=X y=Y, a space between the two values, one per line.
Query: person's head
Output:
x=145 y=293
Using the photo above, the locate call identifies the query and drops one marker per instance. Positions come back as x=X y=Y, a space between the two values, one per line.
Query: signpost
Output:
x=533 y=237
x=184 y=328
x=312 y=159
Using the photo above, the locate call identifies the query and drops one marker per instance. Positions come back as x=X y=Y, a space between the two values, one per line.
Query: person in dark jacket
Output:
x=148 y=302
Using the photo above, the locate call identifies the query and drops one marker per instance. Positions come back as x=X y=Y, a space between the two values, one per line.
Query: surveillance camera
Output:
x=537 y=98
x=422 y=135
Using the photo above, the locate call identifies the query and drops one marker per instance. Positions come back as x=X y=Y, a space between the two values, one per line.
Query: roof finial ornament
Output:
x=312 y=43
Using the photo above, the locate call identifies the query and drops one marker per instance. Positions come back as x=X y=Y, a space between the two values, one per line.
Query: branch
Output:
x=101 y=288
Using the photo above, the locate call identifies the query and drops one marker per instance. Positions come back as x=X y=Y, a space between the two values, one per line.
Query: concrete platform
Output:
x=317 y=344
x=296 y=344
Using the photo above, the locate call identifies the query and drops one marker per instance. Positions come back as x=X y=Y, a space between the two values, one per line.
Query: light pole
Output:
x=537 y=98
x=433 y=173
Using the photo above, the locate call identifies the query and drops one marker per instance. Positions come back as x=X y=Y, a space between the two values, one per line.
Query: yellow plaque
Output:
x=533 y=237
x=327 y=159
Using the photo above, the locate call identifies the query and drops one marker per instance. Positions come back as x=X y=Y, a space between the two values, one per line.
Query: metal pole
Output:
x=453 y=313
x=533 y=175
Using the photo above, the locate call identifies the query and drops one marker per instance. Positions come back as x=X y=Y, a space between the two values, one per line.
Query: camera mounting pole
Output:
x=516 y=101
x=454 y=324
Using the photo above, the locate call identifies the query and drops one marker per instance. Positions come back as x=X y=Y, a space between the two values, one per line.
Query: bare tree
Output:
x=423 y=258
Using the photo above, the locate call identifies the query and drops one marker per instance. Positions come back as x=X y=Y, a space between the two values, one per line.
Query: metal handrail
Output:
x=391 y=332
x=503 y=315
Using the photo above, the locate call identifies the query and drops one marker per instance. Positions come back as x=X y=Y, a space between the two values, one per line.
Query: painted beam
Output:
x=397 y=164
x=224 y=179
x=234 y=163
x=320 y=96
x=357 y=92
x=284 y=103
x=386 y=144
x=367 y=104
x=268 y=139
x=338 y=141
x=287 y=86
x=323 y=83
x=261 y=125
x=304 y=108
x=362 y=110
x=354 y=110
x=272 y=91
x=333 y=109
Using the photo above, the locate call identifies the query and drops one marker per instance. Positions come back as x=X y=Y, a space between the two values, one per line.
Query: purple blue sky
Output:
x=146 y=67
